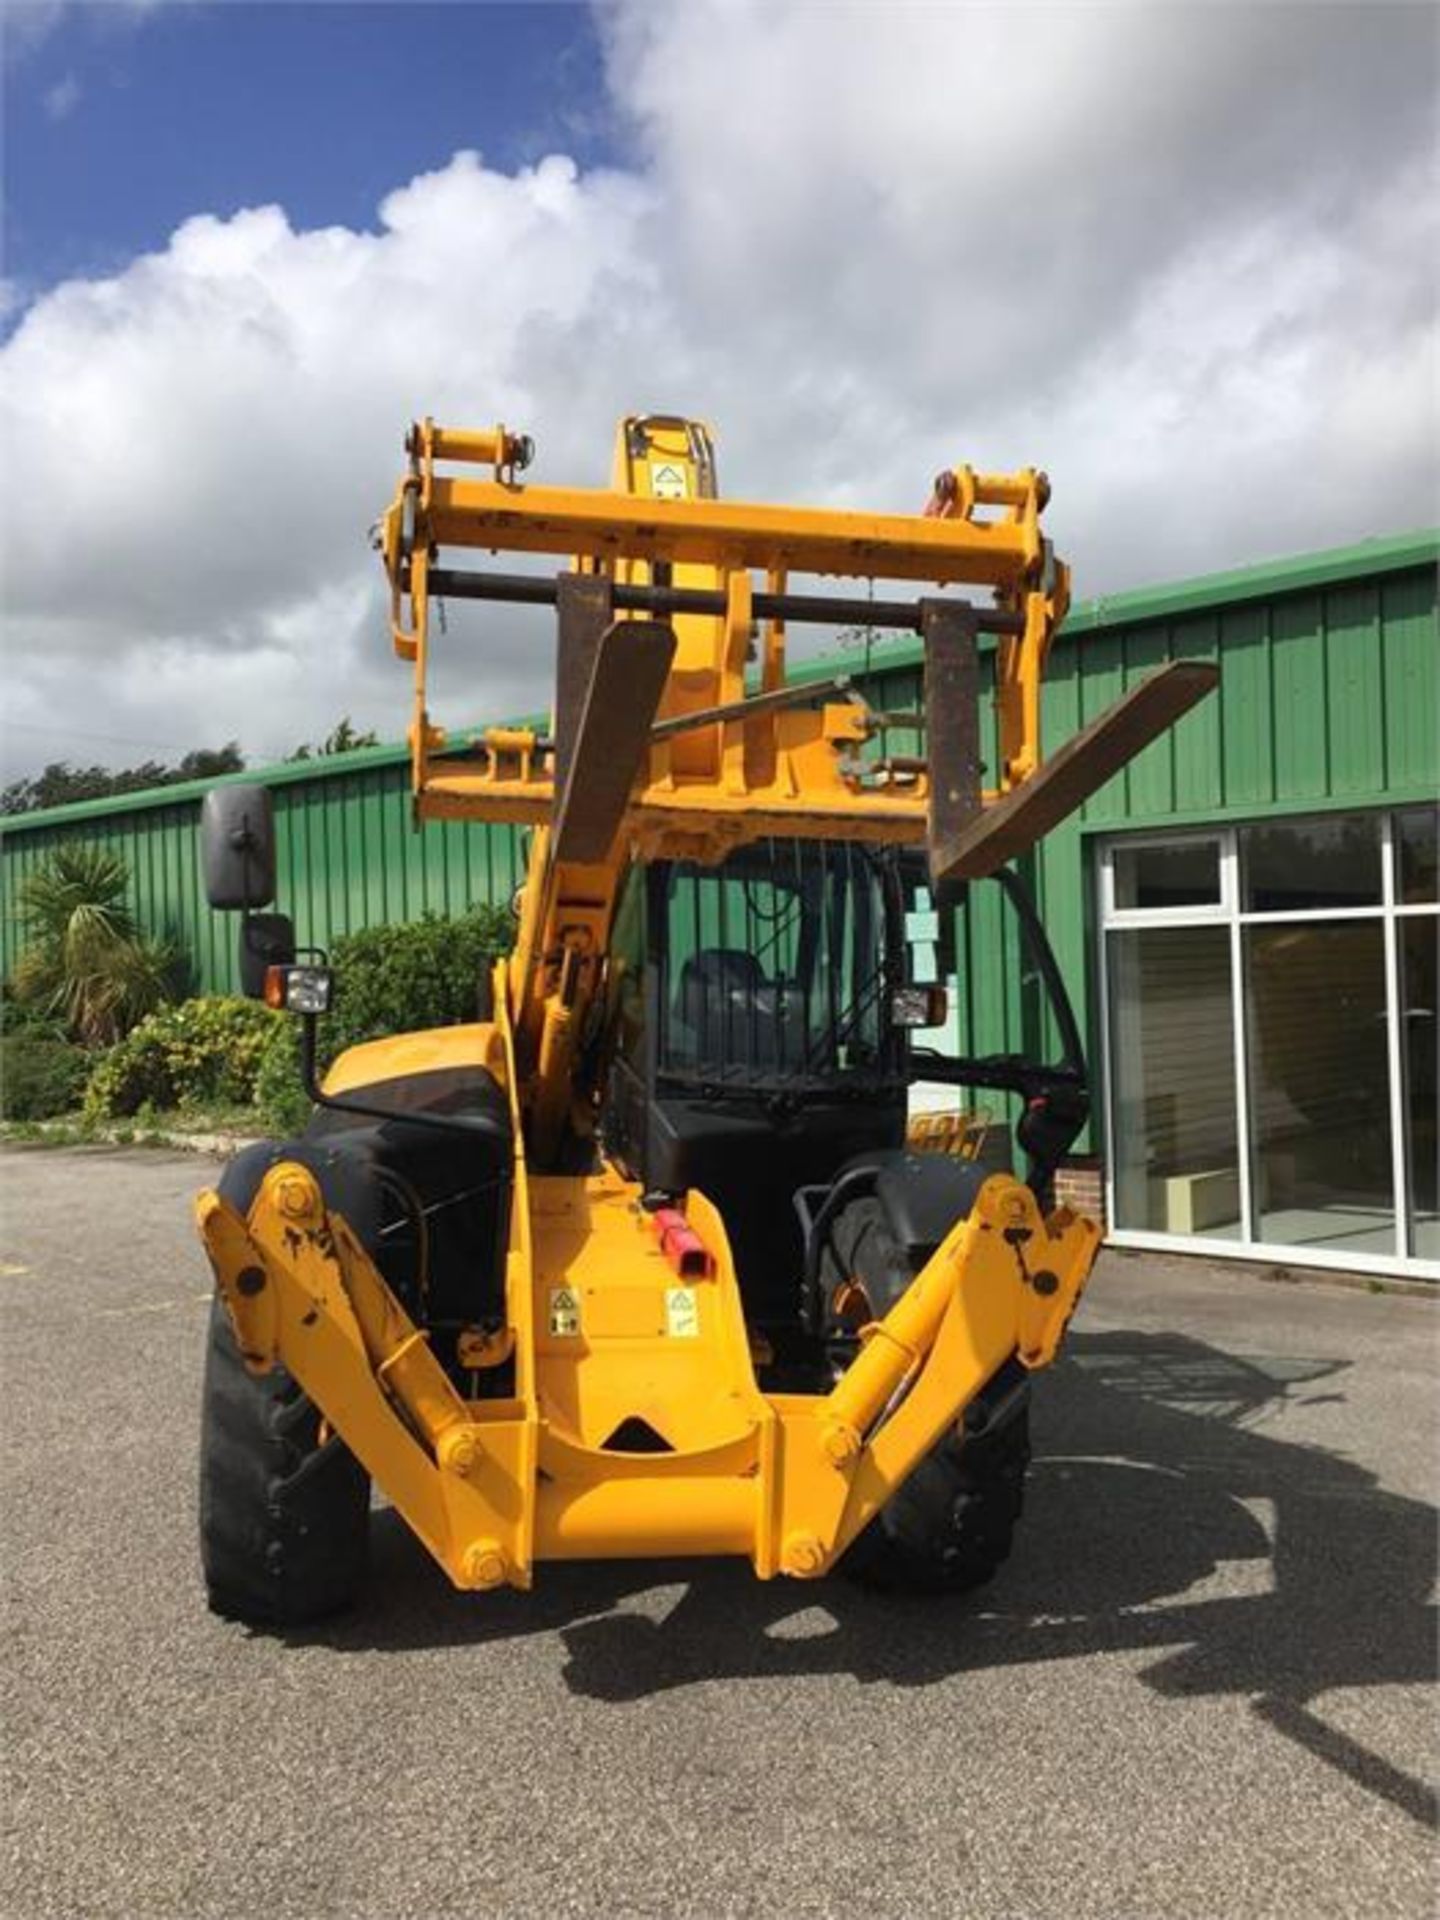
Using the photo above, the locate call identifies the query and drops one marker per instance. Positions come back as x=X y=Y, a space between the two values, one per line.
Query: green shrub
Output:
x=280 y=1094
x=202 y=1053
x=24 y=1018
x=425 y=973
x=40 y=1076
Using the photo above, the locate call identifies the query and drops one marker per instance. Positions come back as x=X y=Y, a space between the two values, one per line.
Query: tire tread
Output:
x=284 y=1519
x=951 y=1525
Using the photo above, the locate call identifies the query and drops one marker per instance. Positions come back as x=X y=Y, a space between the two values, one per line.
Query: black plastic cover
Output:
x=470 y=1091
x=433 y=1212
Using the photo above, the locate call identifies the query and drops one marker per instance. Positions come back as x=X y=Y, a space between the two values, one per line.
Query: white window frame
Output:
x=1228 y=911
x=1113 y=916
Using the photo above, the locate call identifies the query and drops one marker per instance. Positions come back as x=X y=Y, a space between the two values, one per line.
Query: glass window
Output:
x=1416 y=850
x=1337 y=1059
x=1177 y=1158
x=776 y=965
x=1320 y=1086
x=1173 y=873
x=1420 y=1047
x=1298 y=866
x=626 y=970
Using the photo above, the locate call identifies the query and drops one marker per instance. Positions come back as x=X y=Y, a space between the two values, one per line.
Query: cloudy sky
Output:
x=1182 y=256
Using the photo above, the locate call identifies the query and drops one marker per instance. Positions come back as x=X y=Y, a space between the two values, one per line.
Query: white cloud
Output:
x=1181 y=257
x=61 y=100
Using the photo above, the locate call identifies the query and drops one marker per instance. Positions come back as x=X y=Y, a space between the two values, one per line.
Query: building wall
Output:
x=347 y=858
x=1329 y=696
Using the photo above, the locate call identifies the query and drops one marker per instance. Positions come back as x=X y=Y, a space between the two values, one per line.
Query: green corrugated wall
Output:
x=1330 y=696
x=346 y=856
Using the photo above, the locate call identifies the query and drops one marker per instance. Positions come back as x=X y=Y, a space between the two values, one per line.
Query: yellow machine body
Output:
x=605 y=1330
x=600 y=1326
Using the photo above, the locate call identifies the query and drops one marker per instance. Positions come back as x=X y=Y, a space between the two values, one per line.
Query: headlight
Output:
x=299 y=989
x=919 y=1007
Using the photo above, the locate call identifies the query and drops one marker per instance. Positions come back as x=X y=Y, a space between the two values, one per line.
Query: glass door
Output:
x=1323 y=1165
x=1317 y=1010
x=1176 y=1141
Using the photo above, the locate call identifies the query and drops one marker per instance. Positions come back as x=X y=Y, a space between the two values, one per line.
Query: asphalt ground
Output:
x=1201 y=1687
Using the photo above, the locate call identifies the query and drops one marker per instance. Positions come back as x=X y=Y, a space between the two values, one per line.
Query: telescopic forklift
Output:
x=649 y=1258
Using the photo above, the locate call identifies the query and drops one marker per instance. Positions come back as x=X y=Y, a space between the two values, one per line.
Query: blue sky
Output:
x=120 y=124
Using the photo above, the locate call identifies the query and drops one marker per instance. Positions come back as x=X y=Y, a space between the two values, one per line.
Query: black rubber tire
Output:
x=952 y=1523
x=284 y=1520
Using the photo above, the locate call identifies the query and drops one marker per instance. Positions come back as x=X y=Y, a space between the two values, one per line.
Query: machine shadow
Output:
x=1154 y=1467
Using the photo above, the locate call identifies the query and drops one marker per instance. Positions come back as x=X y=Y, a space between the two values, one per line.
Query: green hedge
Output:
x=223 y=1052
x=280 y=1095
x=23 y=1019
x=203 y=1053
x=425 y=973
x=40 y=1076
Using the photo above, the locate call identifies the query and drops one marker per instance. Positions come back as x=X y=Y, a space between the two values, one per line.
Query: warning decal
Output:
x=564 y=1311
x=668 y=483
x=682 y=1313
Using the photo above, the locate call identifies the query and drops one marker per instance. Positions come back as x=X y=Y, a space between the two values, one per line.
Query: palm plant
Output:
x=88 y=963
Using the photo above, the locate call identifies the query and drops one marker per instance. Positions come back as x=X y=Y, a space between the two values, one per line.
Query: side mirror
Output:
x=237 y=839
x=266 y=940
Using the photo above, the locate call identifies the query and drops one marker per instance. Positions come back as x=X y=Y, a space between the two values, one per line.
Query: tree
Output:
x=204 y=763
x=342 y=738
x=60 y=784
x=88 y=963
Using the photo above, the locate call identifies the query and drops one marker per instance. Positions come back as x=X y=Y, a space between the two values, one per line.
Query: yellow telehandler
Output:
x=646 y=1260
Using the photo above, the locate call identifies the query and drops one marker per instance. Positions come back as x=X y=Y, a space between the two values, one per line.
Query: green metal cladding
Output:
x=1329 y=697
x=346 y=858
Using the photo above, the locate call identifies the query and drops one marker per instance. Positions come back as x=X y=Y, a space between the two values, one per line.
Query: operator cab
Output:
x=757 y=1053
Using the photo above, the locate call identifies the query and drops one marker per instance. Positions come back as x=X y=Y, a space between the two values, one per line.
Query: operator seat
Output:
x=729 y=1013
x=714 y=971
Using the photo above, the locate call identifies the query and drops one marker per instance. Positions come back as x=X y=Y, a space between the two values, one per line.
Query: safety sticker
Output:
x=667 y=483
x=564 y=1311
x=682 y=1313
